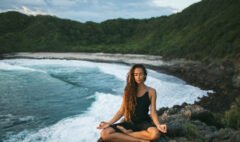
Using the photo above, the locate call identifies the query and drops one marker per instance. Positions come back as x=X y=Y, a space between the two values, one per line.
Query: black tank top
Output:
x=142 y=109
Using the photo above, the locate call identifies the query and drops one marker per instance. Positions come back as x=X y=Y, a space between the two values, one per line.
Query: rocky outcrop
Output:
x=193 y=123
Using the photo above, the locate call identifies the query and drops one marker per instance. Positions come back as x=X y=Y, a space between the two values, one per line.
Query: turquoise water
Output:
x=64 y=100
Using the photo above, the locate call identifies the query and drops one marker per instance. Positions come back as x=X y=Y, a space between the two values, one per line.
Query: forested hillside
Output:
x=208 y=29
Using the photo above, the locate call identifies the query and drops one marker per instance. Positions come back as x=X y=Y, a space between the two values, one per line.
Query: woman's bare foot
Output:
x=122 y=129
x=128 y=131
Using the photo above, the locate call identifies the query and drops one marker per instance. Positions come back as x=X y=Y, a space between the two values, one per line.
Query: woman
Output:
x=137 y=126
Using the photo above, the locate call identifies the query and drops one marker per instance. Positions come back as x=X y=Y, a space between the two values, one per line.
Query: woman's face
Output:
x=138 y=75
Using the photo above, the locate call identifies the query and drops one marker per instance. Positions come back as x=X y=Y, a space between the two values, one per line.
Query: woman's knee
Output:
x=105 y=134
x=154 y=134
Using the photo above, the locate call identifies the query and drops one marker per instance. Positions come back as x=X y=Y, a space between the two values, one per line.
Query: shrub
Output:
x=232 y=116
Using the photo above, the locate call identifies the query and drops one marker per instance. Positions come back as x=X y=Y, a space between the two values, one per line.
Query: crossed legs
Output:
x=151 y=133
x=109 y=134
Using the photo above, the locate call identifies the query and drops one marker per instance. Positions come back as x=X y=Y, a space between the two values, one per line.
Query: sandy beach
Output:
x=99 y=57
x=150 y=60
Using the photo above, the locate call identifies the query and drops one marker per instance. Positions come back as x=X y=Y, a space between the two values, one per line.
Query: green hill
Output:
x=208 y=29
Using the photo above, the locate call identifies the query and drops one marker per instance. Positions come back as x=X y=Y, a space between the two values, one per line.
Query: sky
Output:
x=96 y=10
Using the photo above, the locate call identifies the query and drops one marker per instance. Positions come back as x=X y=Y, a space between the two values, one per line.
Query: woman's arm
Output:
x=153 y=112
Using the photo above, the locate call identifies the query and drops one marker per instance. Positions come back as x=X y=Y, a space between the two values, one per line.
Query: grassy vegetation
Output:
x=232 y=116
x=192 y=132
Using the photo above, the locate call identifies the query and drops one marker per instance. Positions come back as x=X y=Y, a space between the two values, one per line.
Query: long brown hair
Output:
x=130 y=92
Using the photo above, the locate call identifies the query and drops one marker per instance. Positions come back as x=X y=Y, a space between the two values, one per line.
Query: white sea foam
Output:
x=6 y=66
x=119 y=71
x=9 y=120
x=81 y=128
x=60 y=62
x=170 y=93
x=26 y=118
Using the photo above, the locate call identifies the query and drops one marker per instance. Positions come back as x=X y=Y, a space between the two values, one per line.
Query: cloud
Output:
x=96 y=10
x=29 y=11
x=26 y=10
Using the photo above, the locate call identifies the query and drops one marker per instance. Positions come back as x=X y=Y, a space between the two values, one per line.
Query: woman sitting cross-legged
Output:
x=137 y=126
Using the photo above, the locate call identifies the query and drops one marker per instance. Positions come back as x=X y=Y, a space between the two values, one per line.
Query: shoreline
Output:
x=95 y=57
x=150 y=60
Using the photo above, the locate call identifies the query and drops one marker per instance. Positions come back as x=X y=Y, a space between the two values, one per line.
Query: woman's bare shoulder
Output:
x=152 y=91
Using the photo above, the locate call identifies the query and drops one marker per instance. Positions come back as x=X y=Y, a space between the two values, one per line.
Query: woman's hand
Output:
x=103 y=125
x=162 y=128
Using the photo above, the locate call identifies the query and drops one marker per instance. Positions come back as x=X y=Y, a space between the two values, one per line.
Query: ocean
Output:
x=53 y=100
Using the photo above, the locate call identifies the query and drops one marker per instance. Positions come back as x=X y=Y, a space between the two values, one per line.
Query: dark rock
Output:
x=161 y=110
x=235 y=137
x=236 y=80
x=205 y=116
x=192 y=122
